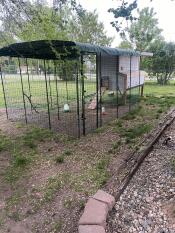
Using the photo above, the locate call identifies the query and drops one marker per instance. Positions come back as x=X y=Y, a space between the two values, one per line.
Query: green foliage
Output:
x=4 y=142
x=59 y=159
x=82 y=204
x=125 y=45
x=53 y=185
x=145 y=31
x=132 y=114
x=88 y=29
x=173 y=163
x=67 y=152
x=124 y=11
x=35 y=135
x=161 y=66
x=103 y=163
x=57 y=226
x=20 y=160
x=65 y=21
x=135 y=132
x=68 y=203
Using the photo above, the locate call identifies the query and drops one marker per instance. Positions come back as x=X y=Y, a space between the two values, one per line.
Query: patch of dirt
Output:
x=28 y=211
x=169 y=211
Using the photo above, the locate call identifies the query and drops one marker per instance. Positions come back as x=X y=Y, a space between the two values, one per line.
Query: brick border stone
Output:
x=95 y=213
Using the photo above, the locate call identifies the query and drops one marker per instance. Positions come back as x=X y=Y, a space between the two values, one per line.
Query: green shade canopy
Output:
x=58 y=49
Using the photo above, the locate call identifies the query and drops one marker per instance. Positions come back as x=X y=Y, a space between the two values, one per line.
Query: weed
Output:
x=100 y=130
x=37 y=135
x=159 y=111
x=173 y=163
x=82 y=204
x=100 y=174
x=1 y=221
x=119 y=123
x=15 y=216
x=5 y=143
x=116 y=145
x=19 y=125
x=102 y=164
x=30 y=143
x=62 y=138
x=60 y=159
x=111 y=151
x=20 y=161
x=132 y=114
x=57 y=226
x=135 y=132
x=67 y=152
x=53 y=185
x=68 y=203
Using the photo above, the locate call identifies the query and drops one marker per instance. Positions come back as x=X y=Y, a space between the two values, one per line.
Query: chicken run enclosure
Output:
x=72 y=88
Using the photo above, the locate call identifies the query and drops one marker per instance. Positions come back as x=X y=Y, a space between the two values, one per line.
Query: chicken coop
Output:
x=72 y=88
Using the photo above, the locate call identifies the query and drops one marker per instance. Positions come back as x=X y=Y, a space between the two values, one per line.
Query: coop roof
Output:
x=54 y=49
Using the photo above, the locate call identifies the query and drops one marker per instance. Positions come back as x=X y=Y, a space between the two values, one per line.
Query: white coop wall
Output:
x=124 y=67
x=124 y=64
x=109 y=69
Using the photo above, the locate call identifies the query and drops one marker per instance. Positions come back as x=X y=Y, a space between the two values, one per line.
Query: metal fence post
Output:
x=78 y=104
x=28 y=79
x=100 y=89
x=130 y=83
x=22 y=86
x=4 y=94
x=83 y=92
x=117 y=84
x=56 y=84
x=97 y=89
x=47 y=95
x=139 y=75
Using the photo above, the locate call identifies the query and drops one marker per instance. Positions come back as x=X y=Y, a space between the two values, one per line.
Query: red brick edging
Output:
x=95 y=213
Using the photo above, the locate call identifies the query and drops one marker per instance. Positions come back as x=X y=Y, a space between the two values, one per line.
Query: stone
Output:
x=106 y=198
x=95 y=213
x=91 y=229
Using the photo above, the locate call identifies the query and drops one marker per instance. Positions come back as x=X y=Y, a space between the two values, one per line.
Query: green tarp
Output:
x=56 y=49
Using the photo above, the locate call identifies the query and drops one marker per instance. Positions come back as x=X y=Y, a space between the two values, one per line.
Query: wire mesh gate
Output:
x=72 y=97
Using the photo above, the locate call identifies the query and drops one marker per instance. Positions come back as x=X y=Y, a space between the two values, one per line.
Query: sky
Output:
x=165 y=10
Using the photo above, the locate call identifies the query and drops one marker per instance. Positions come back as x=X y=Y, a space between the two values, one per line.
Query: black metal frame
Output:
x=47 y=95
x=22 y=88
x=4 y=95
x=81 y=112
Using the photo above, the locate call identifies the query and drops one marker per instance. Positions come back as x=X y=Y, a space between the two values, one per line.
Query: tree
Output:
x=125 y=44
x=88 y=29
x=142 y=33
x=162 y=65
x=124 y=14
x=65 y=20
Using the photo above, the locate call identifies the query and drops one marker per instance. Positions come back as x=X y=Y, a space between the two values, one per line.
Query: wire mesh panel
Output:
x=72 y=97
x=109 y=88
x=89 y=93
x=62 y=85
x=13 y=89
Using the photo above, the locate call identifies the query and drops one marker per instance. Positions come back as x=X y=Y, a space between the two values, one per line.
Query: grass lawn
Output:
x=46 y=178
x=152 y=88
x=38 y=91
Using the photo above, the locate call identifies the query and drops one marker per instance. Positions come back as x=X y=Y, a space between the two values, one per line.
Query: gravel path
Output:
x=148 y=203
